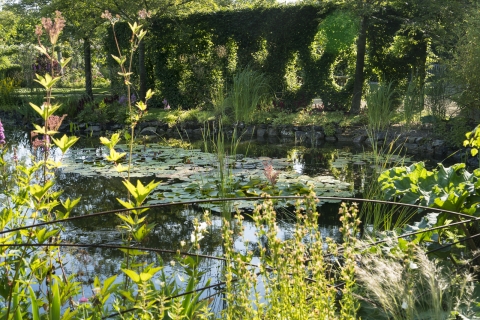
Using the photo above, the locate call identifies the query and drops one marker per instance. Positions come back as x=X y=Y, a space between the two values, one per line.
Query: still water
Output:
x=328 y=164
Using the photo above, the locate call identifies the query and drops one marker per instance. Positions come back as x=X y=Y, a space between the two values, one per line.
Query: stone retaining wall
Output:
x=415 y=142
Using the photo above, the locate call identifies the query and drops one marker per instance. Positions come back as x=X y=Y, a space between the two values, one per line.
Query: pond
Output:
x=190 y=171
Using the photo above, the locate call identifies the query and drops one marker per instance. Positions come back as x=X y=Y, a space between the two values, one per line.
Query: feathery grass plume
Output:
x=410 y=286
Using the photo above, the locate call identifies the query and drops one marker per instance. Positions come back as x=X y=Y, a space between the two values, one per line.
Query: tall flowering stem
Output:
x=126 y=71
x=2 y=135
x=270 y=173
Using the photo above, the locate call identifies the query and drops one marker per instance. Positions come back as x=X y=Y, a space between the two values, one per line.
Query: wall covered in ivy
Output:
x=301 y=49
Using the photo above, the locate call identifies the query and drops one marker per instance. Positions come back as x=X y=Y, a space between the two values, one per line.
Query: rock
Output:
x=116 y=126
x=196 y=132
x=331 y=138
x=261 y=132
x=344 y=137
x=411 y=147
x=301 y=135
x=438 y=143
x=149 y=131
x=94 y=128
x=319 y=135
x=285 y=132
x=272 y=132
x=249 y=131
x=360 y=139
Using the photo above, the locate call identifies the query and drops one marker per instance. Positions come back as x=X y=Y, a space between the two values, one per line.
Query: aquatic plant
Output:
x=292 y=278
x=249 y=90
x=30 y=197
x=380 y=106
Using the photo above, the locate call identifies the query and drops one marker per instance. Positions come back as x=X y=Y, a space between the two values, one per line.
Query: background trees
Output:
x=394 y=40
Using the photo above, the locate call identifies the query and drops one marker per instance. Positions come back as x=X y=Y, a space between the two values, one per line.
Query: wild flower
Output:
x=54 y=122
x=166 y=106
x=2 y=134
x=83 y=300
x=270 y=173
x=107 y=15
x=199 y=230
x=133 y=98
x=52 y=28
x=122 y=100
x=143 y=14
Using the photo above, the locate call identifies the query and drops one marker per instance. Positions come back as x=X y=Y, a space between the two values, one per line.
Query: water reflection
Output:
x=173 y=224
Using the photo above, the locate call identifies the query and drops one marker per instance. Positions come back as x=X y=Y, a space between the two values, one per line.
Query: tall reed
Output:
x=380 y=106
x=250 y=89
x=379 y=217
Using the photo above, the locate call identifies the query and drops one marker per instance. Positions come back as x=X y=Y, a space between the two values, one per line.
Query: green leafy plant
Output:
x=450 y=188
x=30 y=198
x=380 y=106
x=298 y=281
x=413 y=103
x=249 y=91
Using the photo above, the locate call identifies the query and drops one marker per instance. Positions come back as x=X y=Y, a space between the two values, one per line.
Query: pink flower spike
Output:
x=83 y=300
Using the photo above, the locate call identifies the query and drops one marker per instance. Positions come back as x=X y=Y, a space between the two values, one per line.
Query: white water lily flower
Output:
x=404 y=305
x=172 y=263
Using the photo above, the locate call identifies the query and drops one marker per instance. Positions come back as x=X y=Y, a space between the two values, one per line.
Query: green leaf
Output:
x=55 y=305
x=65 y=142
x=34 y=304
x=65 y=62
x=107 y=283
x=133 y=252
x=132 y=275
x=128 y=219
x=120 y=60
x=16 y=307
x=144 y=277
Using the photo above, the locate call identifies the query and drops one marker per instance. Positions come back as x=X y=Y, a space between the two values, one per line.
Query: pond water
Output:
x=190 y=173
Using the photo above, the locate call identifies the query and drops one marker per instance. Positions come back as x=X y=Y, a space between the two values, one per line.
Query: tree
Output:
x=465 y=65
x=425 y=21
x=131 y=11
x=83 y=19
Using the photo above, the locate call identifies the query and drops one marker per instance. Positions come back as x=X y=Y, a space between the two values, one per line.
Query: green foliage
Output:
x=380 y=106
x=249 y=91
x=338 y=31
x=465 y=66
x=437 y=92
x=8 y=97
x=201 y=53
x=296 y=278
x=413 y=103
x=451 y=188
